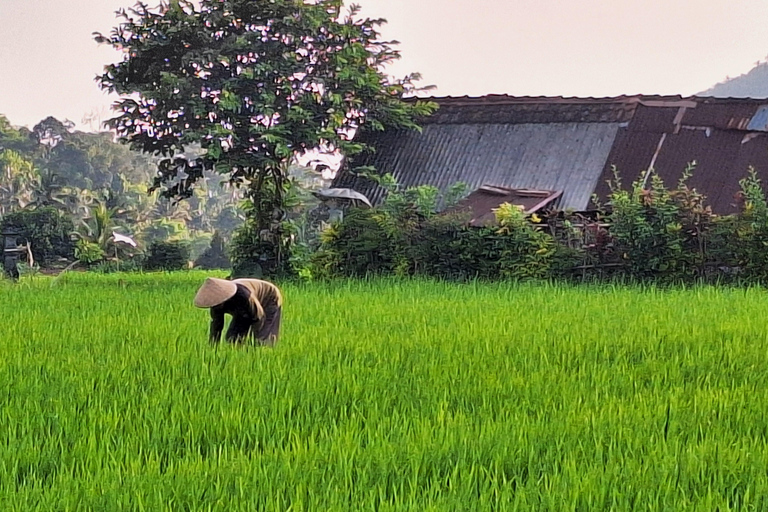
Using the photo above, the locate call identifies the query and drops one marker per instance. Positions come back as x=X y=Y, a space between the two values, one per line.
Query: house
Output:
x=566 y=148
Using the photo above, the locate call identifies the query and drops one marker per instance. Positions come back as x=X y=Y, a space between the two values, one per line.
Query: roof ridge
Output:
x=629 y=99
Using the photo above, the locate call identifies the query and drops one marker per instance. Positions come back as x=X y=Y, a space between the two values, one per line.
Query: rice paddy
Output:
x=384 y=395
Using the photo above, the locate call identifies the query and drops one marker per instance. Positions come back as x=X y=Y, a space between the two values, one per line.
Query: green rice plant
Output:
x=383 y=394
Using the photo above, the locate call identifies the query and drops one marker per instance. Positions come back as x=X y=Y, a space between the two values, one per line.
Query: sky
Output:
x=48 y=59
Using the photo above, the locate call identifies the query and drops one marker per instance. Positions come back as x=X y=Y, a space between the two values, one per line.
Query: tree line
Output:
x=212 y=93
x=94 y=185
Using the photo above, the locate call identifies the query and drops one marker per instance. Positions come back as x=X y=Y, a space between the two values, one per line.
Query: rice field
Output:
x=384 y=395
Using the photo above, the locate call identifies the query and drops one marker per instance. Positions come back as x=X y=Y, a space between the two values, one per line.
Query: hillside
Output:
x=753 y=84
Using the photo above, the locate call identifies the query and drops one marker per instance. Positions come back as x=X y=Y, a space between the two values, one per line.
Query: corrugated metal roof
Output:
x=723 y=114
x=722 y=157
x=569 y=144
x=549 y=156
x=481 y=203
x=508 y=110
x=723 y=136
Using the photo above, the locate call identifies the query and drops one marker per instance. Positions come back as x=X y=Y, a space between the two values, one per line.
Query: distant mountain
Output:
x=753 y=84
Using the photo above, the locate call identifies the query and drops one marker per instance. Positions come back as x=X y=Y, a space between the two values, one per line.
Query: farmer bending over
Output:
x=255 y=307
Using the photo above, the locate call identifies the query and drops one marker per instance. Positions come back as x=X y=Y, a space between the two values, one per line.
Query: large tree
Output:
x=254 y=83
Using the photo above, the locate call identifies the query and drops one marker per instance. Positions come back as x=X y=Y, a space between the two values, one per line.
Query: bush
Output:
x=48 y=230
x=404 y=242
x=356 y=247
x=445 y=246
x=650 y=233
x=167 y=255
x=660 y=233
x=215 y=257
x=87 y=252
x=526 y=253
x=746 y=235
x=254 y=253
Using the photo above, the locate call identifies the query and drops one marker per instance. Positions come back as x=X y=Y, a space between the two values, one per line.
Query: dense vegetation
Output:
x=647 y=231
x=66 y=191
x=254 y=86
x=96 y=185
x=384 y=395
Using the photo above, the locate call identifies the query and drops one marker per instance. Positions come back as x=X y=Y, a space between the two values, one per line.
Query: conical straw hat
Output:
x=214 y=291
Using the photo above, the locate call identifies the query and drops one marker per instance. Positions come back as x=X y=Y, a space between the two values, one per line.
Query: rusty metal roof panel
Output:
x=481 y=203
x=722 y=156
x=654 y=119
x=723 y=114
x=569 y=144
x=551 y=156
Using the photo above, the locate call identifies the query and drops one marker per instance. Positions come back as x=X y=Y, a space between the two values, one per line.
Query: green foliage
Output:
x=18 y=139
x=257 y=252
x=100 y=223
x=747 y=233
x=526 y=252
x=87 y=252
x=358 y=246
x=215 y=257
x=660 y=233
x=421 y=200
x=164 y=229
x=444 y=246
x=18 y=181
x=261 y=245
x=303 y=245
x=650 y=233
x=167 y=255
x=403 y=214
x=455 y=193
x=131 y=264
x=198 y=244
x=255 y=84
x=103 y=185
x=376 y=241
x=281 y=247
x=405 y=236
x=47 y=230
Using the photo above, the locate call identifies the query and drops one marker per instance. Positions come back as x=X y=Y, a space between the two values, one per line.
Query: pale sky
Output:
x=48 y=58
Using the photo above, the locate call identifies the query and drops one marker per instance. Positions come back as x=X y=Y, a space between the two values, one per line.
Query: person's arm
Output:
x=217 y=325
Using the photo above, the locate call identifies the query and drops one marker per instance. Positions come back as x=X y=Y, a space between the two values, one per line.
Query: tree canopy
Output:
x=100 y=185
x=254 y=83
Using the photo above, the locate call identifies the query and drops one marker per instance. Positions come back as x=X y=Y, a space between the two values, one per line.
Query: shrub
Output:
x=261 y=246
x=660 y=233
x=255 y=252
x=215 y=257
x=650 y=233
x=445 y=246
x=48 y=231
x=87 y=252
x=373 y=241
x=526 y=253
x=405 y=236
x=746 y=235
x=167 y=255
x=357 y=246
x=133 y=264
x=198 y=244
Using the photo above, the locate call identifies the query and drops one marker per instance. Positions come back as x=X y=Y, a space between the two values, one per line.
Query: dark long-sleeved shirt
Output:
x=254 y=303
